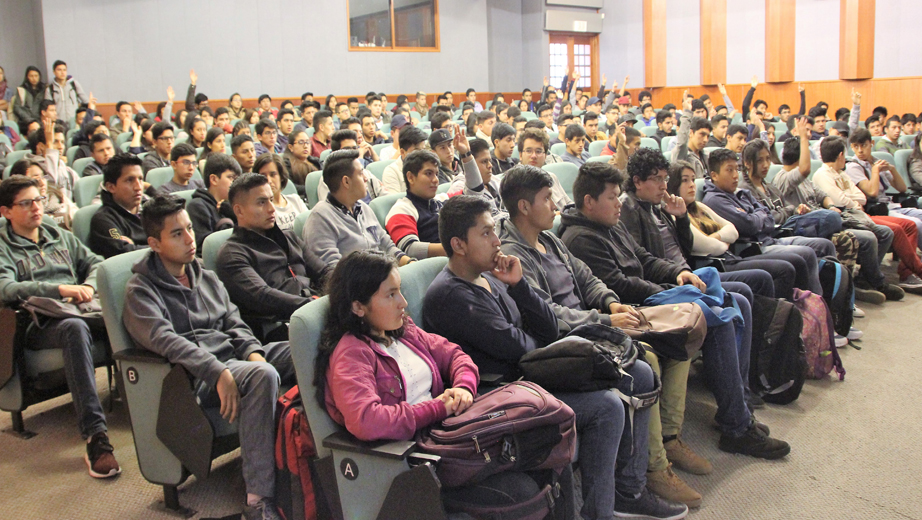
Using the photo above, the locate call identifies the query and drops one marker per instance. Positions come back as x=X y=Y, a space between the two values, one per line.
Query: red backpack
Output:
x=818 y=336
x=294 y=454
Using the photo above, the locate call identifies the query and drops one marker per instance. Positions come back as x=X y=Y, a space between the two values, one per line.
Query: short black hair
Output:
x=860 y=136
x=704 y=97
x=697 y=104
x=262 y=97
x=457 y=216
x=339 y=136
x=484 y=116
x=758 y=103
x=120 y=104
x=522 y=182
x=736 y=129
x=719 y=156
x=842 y=114
x=513 y=112
x=574 y=132
x=263 y=124
x=630 y=133
x=698 y=123
x=875 y=118
x=644 y=94
x=716 y=120
x=880 y=111
x=244 y=183
x=644 y=107
x=589 y=116
x=892 y=119
x=541 y=108
x=410 y=136
x=479 y=145
x=662 y=115
x=339 y=164
x=438 y=120
x=181 y=150
x=11 y=187
x=536 y=123
x=783 y=108
x=350 y=121
x=592 y=180
x=285 y=112
x=501 y=131
x=99 y=138
x=112 y=172
x=37 y=137
x=645 y=163
x=468 y=92
x=790 y=152
x=352 y=100
x=816 y=112
x=56 y=63
x=238 y=141
x=200 y=98
x=320 y=117
x=217 y=164
x=415 y=161
x=563 y=118
x=831 y=147
x=156 y=210
x=45 y=104
x=157 y=130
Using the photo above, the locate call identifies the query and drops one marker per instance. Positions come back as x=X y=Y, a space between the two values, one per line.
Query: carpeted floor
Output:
x=855 y=449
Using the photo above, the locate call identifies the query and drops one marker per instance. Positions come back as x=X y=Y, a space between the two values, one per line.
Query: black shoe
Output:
x=648 y=506
x=755 y=402
x=754 y=443
x=892 y=292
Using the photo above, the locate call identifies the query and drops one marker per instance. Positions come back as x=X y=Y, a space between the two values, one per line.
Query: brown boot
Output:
x=666 y=484
x=685 y=459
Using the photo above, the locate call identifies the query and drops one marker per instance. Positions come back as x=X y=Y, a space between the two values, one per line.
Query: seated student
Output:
x=533 y=149
x=693 y=135
x=308 y=109
x=754 y=221
x=485 y=122
x=623 y=142
x=57 y=206
x=575 y=139
x=116 y=226
x=563 y=121
x=182 y=159
x=366 y=150
x=483 y=285
x=53 y=263
x=909 y=124
x=389 y=152
x=244 y=152
x=323 y=129
x=208 y=209
x=285 y=120
x=266 y=136
x=411 y=138
x=296 y=157
x=503 y=139
x=591 y=126
x=370 y=131
x=162 y=135
x=873 y=240
x=665 y=125
x=819 y=123
x=287 y=207
x=440 y=142
x=412 y=221
x=342 y=223
x=265 y=269
x=719 y=125
x=215 y=142
x=347 y=140
x=177 y=309
x=46 y=148
x=102 y=150
x=196 y=129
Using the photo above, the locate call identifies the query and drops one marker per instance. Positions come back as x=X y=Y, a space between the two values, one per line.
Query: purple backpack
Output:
x=819 y=342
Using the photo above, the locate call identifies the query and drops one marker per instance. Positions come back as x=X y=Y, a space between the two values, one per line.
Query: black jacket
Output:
x=206 y=218
x=111 y=223
x=616 y=258
x=637 y=217
x=268 y=275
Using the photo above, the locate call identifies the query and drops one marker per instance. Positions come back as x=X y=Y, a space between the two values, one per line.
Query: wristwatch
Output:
x=465 y=155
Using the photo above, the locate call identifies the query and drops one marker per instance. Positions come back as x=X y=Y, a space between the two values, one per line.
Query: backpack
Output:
x=294 y=457
x=513 y=495
x=819 y=343
x=778 y=364
x=517 y=427
x=838 y=293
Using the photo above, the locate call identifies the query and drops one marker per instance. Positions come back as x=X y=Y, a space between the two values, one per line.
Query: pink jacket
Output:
x=365 y=389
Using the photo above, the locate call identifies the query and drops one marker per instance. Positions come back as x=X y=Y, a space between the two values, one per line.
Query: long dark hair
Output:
x=357 y=277
x=40 y=86
x=750 y=154
x=214 y=132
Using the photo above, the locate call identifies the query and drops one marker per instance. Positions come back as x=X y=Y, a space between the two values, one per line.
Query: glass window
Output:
x=393 y=25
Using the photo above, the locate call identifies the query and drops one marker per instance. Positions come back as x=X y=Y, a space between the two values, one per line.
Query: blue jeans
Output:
x=726 y=370
x=782 y=273
x=803 y=258
x=612 y=455
x=871 y=249
x=74 y=338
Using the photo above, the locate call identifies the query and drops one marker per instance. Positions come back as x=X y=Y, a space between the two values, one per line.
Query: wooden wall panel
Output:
x=856 y=39
x=780 y=20
x=654 y=42
x=713 y=42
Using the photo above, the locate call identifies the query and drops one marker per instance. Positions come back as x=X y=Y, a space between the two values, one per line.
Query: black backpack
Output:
x=837 y=291
x=778 y=362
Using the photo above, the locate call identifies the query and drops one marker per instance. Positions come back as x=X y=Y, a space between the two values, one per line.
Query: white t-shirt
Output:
x=415 y=371
x=387 y=153
x=285 y=216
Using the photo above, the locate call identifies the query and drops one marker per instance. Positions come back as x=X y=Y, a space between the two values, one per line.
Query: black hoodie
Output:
x=206 y=217
x=616 y=258
x=110 y=224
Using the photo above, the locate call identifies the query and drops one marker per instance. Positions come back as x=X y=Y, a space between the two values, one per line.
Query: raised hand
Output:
x=686 y=101
x=801 y=127
x=91 y=104
x=626 y=80
x=722 y=89
x=545 y=81
x=604 y=80
x=170 y=94
x=459 y=140
x=755 y=81
x=800 y=87
x=138 y=107
x=193 y=77
x=856 y=97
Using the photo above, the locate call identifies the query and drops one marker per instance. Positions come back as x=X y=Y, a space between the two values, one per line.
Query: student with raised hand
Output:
x=46 y=148
x=208 y=209
x=342 y=222
x=411 y=139
x=162 y=134
x=287 y=207
x=266 y=270
x=691 y=138
x=116 y=226
x=483 y=285
x=177 y=309
x=39 y=259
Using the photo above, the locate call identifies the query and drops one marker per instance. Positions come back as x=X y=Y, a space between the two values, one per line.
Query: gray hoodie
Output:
x=198 y=327
x=592 y=292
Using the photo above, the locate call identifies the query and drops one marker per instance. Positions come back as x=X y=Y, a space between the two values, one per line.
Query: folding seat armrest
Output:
x=697 y=262
x=139 y=355
x=491 y=379
x=345 y=441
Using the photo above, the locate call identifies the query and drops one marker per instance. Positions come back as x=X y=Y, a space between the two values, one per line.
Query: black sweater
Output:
x=110 y=224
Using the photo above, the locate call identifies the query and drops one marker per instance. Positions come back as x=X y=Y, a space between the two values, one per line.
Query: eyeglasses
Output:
x=533 y=151
x=186 y=162
x=270 y=134
x=26 y=204
x=302 y=143
x=349 y=148
x=166 y=138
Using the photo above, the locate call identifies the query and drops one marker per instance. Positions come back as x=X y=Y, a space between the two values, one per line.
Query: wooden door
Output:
x=576 y=52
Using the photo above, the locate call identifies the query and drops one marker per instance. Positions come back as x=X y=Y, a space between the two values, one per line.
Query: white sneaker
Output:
x=854 y=334
x=841 y=341
x=911 y=282
x=857 y=313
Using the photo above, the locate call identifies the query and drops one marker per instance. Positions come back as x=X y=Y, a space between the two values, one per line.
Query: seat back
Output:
x=709 y=149
x=212 y=245
x=81 y=164
x=71 y=153
x=290 y=188
x=311 y=184
x=908 y=139
x=304 y=331
x=596 y=147
x=81 y=224
x=383 y=204
x=649 y=142
x=14 y=156
x=377 y=168
x=415 y=279
x=378 y=147
x=779 y=147
x=664 y=143
x=699 y=189
x=566 y=173
x=85 y=189
x=772 y=171
x=647 y=131
x=324 y=154
x=780 y=128
x=112 y=276
x=558 y=149
x=185 y=194
x=600 y=158
x=815 y=165
x=124 y=137
x=159 y=176
x=901 y=158
x=299 y=222
x=884 y=156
